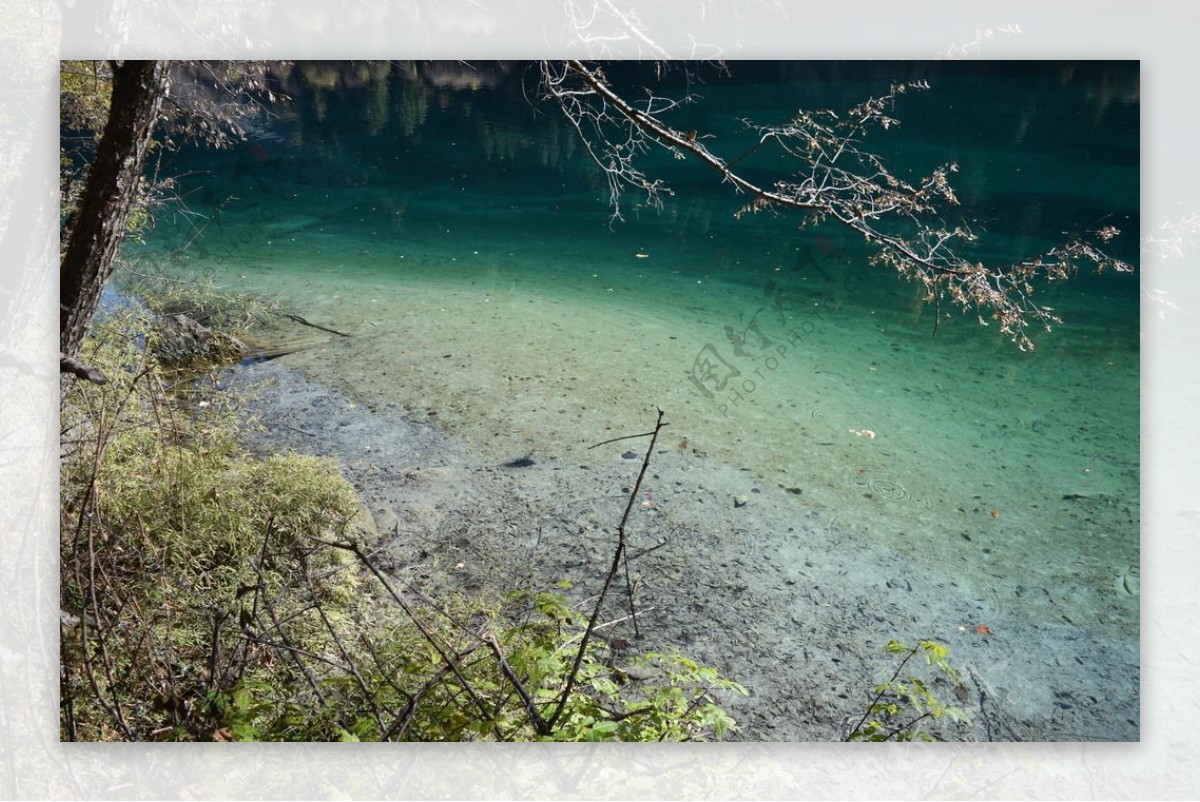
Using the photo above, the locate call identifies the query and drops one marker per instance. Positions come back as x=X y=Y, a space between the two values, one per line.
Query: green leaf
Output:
x=606 y=728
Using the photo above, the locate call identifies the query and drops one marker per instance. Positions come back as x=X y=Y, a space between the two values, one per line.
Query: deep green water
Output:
x=466 y=239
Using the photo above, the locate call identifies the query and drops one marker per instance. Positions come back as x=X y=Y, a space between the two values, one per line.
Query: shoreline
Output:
x=734 y=575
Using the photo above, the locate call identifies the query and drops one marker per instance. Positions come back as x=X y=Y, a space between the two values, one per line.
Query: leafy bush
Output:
x=208 y=594
x=652 y=697
x=901 y=707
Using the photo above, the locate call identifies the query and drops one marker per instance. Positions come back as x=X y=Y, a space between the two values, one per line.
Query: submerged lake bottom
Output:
x=727 y=572
x=825 y=484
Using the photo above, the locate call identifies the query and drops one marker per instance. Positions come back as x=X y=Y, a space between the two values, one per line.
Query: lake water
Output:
x=456 y=227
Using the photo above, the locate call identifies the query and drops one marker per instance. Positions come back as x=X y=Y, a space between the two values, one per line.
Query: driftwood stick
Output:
x=627 y=437
x=304 y=322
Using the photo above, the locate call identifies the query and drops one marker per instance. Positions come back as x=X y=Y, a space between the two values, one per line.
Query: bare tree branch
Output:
x=618 y=556
x=834 y=179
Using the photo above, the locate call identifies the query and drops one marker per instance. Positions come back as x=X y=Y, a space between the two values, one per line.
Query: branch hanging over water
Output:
x=835 y=179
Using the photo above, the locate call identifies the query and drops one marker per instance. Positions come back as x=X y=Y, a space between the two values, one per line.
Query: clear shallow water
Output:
x=466 y=241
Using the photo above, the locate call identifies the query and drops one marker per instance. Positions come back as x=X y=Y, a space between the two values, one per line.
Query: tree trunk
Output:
x=138 y=88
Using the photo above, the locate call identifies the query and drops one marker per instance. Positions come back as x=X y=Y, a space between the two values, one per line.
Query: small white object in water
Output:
x=865 y=433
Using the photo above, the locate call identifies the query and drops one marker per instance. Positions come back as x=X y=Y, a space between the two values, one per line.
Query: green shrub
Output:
x=209 y=594
x=902 y=707
x=676 y=700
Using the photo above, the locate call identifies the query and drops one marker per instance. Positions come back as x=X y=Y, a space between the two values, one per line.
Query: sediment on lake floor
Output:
x=734 y=574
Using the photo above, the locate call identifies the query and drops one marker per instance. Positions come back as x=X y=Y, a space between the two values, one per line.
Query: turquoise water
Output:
x=457 y=228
